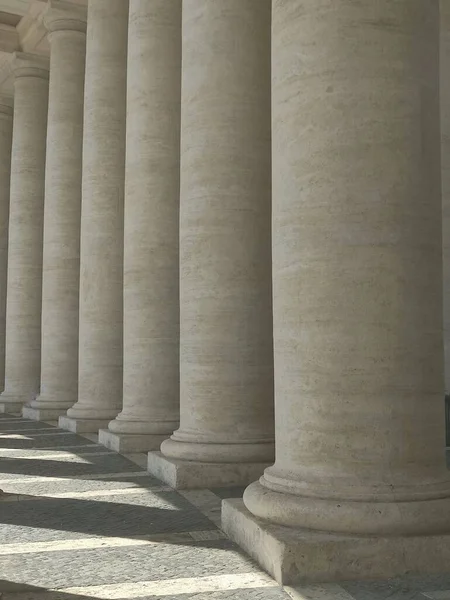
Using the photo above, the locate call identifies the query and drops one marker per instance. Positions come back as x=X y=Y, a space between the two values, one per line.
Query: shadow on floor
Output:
x=12 y=591
x=96 y=517
x=9 y=589
x=45 y=442
x=107 y=463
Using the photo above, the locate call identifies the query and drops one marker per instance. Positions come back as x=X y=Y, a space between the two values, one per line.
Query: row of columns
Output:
x=100 y=343
x=158 y=262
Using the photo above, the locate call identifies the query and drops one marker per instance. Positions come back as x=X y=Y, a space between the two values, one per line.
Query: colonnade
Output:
x=226 y=247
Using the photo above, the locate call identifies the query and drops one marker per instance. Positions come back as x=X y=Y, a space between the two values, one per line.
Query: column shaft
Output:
x=24 y=288
x=357 y=271
x=61 y=257
x=151 y=295
x=6 y=113
x=445 y=160
x=357 y=298
x=225 y=290
x=101 y=251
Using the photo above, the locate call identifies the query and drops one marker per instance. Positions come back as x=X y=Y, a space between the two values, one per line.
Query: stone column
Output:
x=152 y=191
x=357 y=277
x=6 y=113
x=66 y=24
x=226 y=421
x=24 y=287
x=445 y=160
x=101 y=251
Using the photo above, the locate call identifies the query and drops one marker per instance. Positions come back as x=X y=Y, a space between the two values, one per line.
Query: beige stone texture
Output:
x=226 y=361
x=152 y=190
x=445 y=161
x=6 y=113
x=24 y=287
x=190 y=474
x=357 y=284
x=101 y=251
x=66 y=24
x=135 y=442
x=306 y=556
x=76 y=425
x=40 y=414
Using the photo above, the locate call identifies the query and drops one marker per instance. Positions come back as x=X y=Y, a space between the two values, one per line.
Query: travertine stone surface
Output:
x=6 y=113
x=225 y=291
x=101 y=252
x=130 y=442
x=190 y=474
x=24 y=287
x=152 y=192
x=445 y=161
x=66 y=24
x=306 y=556
x=357 y=271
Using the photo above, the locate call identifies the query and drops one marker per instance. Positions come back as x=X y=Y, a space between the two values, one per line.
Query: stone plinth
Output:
x=121 y=442
x=185 y=474
x=82 y=425
x=11 y=407
x=41 y=414
x=302 y=555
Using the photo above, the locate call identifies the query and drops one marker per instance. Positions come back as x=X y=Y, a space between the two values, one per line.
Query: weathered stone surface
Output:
x=294 y=555
x=62 y=210
x=226 y=358
x=188 y=474
x=24 y=298
x=6 y=124
x=357 y=273
x=78 y=425
x=101 y=246
x=42 y=414
x=151 y=388
x=122 y=442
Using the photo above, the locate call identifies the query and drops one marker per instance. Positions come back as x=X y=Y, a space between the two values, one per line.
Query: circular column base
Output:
x=54 y=401
x=251 y=452
x=144 y=426
x=416 y=517
x=79 y=411
x=11 y=397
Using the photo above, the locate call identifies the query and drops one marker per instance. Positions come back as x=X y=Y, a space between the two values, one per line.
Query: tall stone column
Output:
x=357 y=278
x=66 y=24
x=101 y=251
x=6 y=114
x=226 y=370
x=445 y=161
x=152 y=191
x=24 y=287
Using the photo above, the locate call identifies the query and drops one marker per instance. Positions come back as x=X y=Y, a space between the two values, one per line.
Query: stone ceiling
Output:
x=21 y=29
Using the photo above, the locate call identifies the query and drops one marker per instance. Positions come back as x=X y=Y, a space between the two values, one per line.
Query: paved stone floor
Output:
x=79 y=522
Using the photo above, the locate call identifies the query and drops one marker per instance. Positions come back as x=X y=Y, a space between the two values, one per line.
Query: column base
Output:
x=43 y=414
x=13 y=403
x=185 y=474
x=82 y=425
x=131 y=442
x=11 y=407
x=305 y=556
